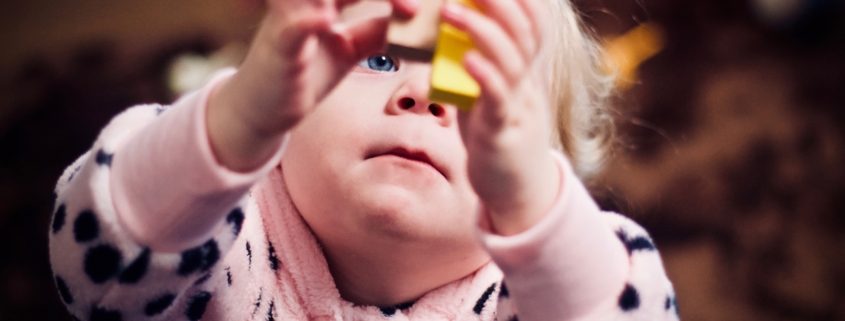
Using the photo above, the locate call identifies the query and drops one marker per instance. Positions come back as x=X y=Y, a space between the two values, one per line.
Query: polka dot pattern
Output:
x=159 y=304
x=271 y=311
x=274 y=260
x=103 y=158
x=479 y=305
x=200 y=258
x=102 y=262
x=86 y=228
x=249 y=256
x=59 y=219
x=197 y=305
x=503 y=292
x=136 y=270
x=637 y=243
x=236 y=219
x=629 y=299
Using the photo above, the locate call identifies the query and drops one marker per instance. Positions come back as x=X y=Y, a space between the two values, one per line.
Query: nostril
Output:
x=407 y=103
x=436 y=110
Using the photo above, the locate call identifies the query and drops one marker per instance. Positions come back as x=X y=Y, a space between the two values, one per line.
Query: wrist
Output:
x=237 y=141
x=526 y=207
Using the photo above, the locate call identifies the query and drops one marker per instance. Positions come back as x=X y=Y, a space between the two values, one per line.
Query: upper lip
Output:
x=411 y=154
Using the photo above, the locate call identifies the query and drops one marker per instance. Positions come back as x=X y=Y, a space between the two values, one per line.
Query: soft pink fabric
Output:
x=567 y=265
x=168 y=188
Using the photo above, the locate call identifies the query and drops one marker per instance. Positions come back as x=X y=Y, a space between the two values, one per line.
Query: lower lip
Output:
x=408 y=162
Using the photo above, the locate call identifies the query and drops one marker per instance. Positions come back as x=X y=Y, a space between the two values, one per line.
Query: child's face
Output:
x=364 y=162
x=367 y=167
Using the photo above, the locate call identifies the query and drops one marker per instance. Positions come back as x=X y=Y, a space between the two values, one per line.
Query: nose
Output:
x=412 y=97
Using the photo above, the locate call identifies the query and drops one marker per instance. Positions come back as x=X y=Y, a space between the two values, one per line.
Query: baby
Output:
x=319 y=182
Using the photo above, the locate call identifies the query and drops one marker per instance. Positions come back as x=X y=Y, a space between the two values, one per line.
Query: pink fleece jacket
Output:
x=238 y=249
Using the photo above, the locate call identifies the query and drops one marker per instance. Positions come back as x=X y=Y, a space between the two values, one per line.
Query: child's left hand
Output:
x=507 y=134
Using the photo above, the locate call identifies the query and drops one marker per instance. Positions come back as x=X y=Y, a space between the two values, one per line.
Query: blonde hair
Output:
x=580 y=91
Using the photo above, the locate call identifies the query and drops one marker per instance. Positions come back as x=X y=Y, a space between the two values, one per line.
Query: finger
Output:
x=405 y=8
x=494 y=88
x=294 y=35
x=515 y=20
x=538 y=16
x=489 y=38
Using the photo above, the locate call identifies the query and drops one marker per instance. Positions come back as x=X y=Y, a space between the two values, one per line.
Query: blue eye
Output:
x=380 y=63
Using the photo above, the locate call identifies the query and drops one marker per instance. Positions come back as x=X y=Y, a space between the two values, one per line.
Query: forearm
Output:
x=567 y=265
x=239 y=142
x=168 y=188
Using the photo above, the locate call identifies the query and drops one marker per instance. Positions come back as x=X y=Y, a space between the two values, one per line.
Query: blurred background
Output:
x=730 y=140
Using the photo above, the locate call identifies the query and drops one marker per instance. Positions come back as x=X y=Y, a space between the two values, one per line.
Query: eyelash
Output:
x=369 y=63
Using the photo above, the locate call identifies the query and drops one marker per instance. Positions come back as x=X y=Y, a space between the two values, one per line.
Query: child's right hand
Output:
x=301 y=51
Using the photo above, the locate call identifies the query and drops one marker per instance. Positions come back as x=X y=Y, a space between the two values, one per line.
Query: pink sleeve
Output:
x=569 y=266
x=168 y=189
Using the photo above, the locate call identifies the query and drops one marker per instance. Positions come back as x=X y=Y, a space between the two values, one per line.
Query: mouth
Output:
x=412 y=155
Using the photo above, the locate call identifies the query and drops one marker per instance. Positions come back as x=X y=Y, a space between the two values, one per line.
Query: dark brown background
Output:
x=730 y=146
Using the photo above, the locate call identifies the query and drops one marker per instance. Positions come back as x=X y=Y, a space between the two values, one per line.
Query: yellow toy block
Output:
x=450 y=82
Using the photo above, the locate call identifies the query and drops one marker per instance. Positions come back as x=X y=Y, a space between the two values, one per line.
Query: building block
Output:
x=425 y=38
x=450 y=82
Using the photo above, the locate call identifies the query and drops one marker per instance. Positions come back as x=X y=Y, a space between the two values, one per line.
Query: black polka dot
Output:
x=388 y=311
x=228 y=276
x=102 y=262
x=159 y=304
x=100 y=314
x=629 y=299
x=197 y=305
x=257 y=303
x=103 y=158
x=74 y=172
x=64 y=292
x=136 y=270
x=249 y=256
x=406 y=305
x=86 y=227
x=236 y=218
x=503 y=292
x=59 y=219
x=638 y=243
x=479 y=305
x=672 y=302
x=274 y=260
x=271 y=311
x=200 y=258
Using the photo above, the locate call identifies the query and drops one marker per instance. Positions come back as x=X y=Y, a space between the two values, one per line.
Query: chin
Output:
x=403 y=213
